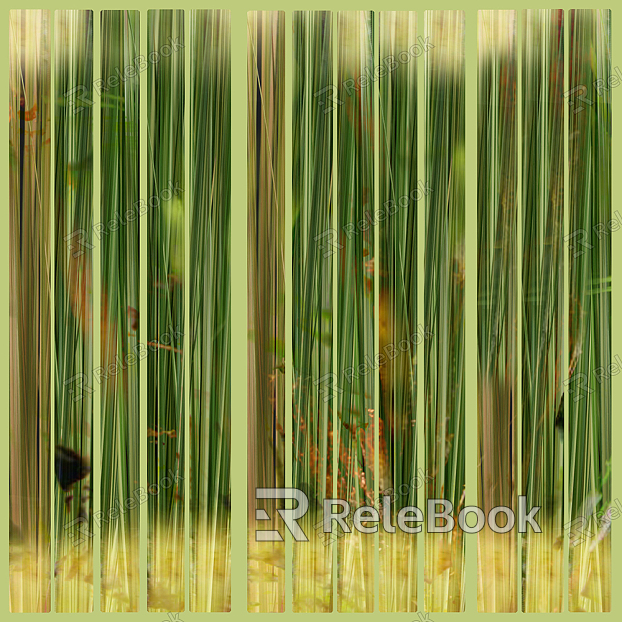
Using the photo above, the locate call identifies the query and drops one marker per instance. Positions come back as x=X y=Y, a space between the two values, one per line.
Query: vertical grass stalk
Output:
x=400 y=194
x=542 y=199
x=266 y=302
x=497 y=300
x=73 y=278
x=355 y=425
x=210 y=309
x=312 y=302
x=589 y=393
x=165 y=315
x=120 y=293
x=29 y=311
x=444 y=270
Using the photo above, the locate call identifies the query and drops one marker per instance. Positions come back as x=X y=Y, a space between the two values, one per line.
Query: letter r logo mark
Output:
x=289 y=517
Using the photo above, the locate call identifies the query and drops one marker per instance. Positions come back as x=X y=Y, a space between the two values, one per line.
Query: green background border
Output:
x=238 y=249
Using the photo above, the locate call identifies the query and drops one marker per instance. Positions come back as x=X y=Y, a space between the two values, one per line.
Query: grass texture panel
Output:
x=166 y=466
x=355 y=426
x=73 y=303
x=266 y=302
x=589 y=320
x=210 y=310
x=312 y=302
x=497 y=304
x=542 y=300
x=30 y=459
x=400 y=198
x=120 y=295
x=444 y=274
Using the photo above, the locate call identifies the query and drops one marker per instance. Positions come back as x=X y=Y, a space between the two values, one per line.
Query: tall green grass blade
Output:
x=210 y=309
x=497 y=301
x=542 y=199
x=165 y=315
x=312 y=302
x=73 y=300
x=120 y=293
x=444 y=270
x=397 y=274
x=355 y=426
x=29 y=309
x=589 y=394
x=266 y=300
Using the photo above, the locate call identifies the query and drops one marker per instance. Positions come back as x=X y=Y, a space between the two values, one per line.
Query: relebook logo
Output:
x=365 y=519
